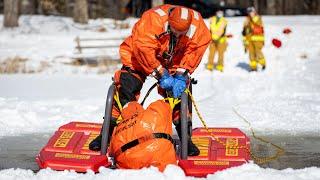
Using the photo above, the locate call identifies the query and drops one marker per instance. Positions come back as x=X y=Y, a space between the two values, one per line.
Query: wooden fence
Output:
x=81 y=43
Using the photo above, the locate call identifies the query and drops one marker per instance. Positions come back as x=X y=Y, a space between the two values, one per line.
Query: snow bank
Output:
x=244 y=172
x=254 y=172
x=50 y=39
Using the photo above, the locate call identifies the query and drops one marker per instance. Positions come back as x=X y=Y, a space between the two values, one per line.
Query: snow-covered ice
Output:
x=284 y=99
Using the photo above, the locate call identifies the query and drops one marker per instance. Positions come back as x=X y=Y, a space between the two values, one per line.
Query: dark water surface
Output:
x=301 y=152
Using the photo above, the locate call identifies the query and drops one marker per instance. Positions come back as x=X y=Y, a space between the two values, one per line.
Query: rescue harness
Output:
x=141 y=140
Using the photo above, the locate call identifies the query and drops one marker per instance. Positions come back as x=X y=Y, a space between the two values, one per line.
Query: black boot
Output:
x=95 y=145
x=193 y=150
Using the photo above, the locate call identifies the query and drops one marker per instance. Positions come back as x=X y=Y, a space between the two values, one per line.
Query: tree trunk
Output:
x=157 y=3
x=27 y=7
x=11 y=13
x=111 y=8
x=80 y=12
x=272 y=7
x=67 y=9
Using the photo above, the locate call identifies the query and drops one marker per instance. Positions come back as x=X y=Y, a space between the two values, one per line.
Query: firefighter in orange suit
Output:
x=218 y=44
x=144 y=137
x=168 y=43
x=253 y=39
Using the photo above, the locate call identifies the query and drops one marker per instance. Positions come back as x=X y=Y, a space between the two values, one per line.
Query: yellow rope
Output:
x=117 y=100
x=172 y=101
x=280 y=150
x=258 y=160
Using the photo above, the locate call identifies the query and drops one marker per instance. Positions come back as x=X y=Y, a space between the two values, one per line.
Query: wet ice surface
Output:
x=20 y=151
x=301 y=152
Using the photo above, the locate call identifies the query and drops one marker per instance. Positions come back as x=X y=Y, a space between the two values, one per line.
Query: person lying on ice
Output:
x=168 y=43
x=144 y=137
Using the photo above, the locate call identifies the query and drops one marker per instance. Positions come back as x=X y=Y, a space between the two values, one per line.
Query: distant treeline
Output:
x=120 y=9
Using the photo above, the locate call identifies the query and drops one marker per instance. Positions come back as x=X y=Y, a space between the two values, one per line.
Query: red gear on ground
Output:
x=286 y=31
x=276 y=42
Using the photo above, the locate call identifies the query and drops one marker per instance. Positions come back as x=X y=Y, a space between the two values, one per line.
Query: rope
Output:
x=258 y=160
x=117 y=100
x=280 y=150
x=148 y=93
x=172 y=101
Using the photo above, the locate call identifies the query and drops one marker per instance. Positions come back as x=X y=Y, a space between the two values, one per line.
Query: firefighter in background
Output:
x=167 y=43
x=253 y=39
x=218 y=44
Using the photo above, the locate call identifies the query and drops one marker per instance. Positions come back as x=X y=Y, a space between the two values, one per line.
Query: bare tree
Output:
x=27 y=6
x=80 y=12
x=11 y=13
x=113 y=9
x=156 y=3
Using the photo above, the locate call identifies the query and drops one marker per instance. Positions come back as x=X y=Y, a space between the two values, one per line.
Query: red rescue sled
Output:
x=68 y=148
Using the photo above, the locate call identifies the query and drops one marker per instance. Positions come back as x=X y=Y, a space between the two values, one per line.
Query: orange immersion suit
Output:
x=148 y=46
x=143 y=50
x=143 y=137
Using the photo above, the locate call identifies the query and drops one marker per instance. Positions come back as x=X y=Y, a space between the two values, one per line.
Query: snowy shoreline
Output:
x=245 y=172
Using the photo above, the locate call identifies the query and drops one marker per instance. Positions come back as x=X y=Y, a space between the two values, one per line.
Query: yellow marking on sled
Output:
x=89 y=125
x=211 y=163
x=216 y=130
x=203 y=144
x=64 y=139
x=92 y=136
x=71 y=156
x=230 y=144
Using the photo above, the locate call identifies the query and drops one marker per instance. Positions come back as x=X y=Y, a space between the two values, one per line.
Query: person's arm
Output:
x=200 y=40
x=245 y=33
x=144 y=41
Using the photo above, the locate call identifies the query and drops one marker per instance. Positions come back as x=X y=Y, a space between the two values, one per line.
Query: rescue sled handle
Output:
x=184 y=126
x=107 y=118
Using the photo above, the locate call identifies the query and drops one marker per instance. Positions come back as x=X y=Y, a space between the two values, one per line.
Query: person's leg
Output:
x=259 y=54
x=128 y=85
x=221 y=49
x=252 y=57
x=212 y=51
